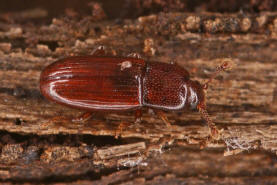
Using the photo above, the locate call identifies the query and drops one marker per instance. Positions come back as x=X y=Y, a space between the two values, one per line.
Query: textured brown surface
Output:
x=40 y=143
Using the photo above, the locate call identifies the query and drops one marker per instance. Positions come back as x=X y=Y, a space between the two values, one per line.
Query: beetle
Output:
x=103 y=83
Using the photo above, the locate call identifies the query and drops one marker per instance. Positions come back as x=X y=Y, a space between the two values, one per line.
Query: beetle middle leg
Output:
x=162 y=115
x=83 y=117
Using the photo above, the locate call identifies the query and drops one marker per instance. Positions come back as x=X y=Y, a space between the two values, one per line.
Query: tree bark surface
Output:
x=40 y=143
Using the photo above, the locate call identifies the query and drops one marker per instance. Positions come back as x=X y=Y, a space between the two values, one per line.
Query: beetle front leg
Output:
x=83 y=117
x=138 y=115
x=162 y=115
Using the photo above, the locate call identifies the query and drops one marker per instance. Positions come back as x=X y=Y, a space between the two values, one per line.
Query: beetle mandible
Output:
x=103 y=83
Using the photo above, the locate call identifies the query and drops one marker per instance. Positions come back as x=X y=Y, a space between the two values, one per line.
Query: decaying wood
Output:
x=40 y=142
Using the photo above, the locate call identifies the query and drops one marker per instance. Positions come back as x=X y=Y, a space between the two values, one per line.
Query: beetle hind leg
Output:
x=83 y=117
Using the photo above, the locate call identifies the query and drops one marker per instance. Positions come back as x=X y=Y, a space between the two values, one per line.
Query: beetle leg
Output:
x=58 y=119
x=122 y=126
x=163 y=117
x=99 y=51
x=138 y=115
x=134 y=55
x=83 y=117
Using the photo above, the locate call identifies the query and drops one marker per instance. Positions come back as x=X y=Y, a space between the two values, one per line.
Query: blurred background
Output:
x=122 y=9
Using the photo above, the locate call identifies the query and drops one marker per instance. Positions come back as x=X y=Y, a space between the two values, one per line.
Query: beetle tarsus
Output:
x=58 y=119
x=163 y=117
x=83 y=118
x=99 y=51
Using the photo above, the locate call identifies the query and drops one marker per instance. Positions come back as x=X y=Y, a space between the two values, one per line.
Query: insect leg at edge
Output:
x=83 y=117
x=163 y=117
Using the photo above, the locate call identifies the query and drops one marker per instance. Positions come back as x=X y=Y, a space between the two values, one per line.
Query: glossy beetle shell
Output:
x=116 y=83
x=94 y=83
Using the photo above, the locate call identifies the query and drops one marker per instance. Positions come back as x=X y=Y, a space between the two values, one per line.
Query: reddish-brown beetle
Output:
x=102 y=83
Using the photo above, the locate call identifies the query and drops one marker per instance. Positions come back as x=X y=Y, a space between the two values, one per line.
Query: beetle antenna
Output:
x=224 y=66
x=213 y=129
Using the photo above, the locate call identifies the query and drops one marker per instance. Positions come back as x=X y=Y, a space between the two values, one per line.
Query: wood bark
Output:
x=40 y=143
